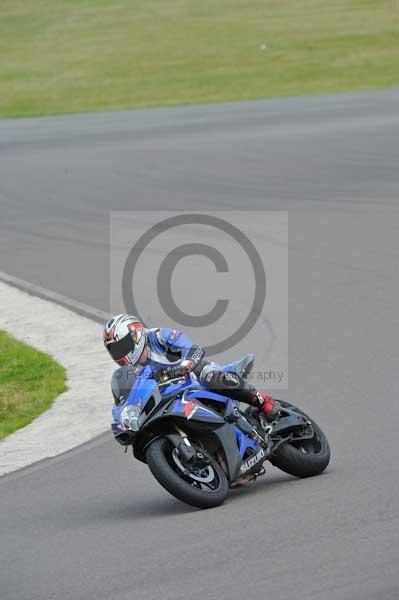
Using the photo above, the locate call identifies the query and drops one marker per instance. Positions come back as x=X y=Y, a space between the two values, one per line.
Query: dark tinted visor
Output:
x=121 y=348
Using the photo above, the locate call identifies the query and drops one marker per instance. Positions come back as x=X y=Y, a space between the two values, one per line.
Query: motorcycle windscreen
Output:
x=144 y=387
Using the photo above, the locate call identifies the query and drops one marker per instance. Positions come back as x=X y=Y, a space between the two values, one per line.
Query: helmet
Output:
x=124 y=338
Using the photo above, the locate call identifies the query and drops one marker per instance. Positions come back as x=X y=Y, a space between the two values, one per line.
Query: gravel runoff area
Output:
x=84 y=410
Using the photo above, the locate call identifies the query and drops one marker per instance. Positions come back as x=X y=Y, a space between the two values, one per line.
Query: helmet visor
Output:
x=121 y=348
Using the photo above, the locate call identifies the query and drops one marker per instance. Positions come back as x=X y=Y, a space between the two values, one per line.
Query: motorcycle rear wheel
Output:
x=201 y=487
x=303 y=459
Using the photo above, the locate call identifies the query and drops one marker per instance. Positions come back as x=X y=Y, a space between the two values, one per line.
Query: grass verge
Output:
x=62 y=56
x=29 y=382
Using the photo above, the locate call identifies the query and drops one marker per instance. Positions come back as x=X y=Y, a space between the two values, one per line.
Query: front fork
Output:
x=188 y=453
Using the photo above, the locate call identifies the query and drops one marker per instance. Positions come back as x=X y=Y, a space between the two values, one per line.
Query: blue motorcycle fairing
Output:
x=187 y=405
x=245 y=443
x=206 y=394
x=145 y=386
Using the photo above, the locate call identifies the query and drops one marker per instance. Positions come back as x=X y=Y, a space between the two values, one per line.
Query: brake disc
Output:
x=206 y=478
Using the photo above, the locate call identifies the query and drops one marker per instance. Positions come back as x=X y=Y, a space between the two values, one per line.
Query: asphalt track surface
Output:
x=94 y=524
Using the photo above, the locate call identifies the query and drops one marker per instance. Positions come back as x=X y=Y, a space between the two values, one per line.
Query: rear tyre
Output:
x=303 y=458
x=203 y=486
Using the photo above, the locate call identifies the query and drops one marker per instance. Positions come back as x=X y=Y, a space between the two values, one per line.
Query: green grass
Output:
x=61 y=56
x=29 y=382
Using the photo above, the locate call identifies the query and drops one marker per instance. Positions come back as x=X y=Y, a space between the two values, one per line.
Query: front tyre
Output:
x=303 y=458
x=201 y=485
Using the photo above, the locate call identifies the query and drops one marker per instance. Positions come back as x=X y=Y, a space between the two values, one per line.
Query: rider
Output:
x=131 y=345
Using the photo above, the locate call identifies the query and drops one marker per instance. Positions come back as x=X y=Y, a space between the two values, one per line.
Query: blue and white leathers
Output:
x=168 y=347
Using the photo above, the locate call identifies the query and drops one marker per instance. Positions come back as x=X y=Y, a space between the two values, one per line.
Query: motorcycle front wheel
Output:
x=201 y=485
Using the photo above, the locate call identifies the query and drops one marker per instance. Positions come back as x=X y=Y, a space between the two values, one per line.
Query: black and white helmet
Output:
x=124 y=338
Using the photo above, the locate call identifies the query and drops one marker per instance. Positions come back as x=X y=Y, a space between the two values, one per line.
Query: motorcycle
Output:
x=199 y=443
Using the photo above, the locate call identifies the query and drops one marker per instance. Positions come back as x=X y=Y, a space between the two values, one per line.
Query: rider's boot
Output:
x=269 y=407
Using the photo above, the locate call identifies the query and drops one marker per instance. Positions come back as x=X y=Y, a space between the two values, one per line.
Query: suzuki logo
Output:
x=248 y=464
